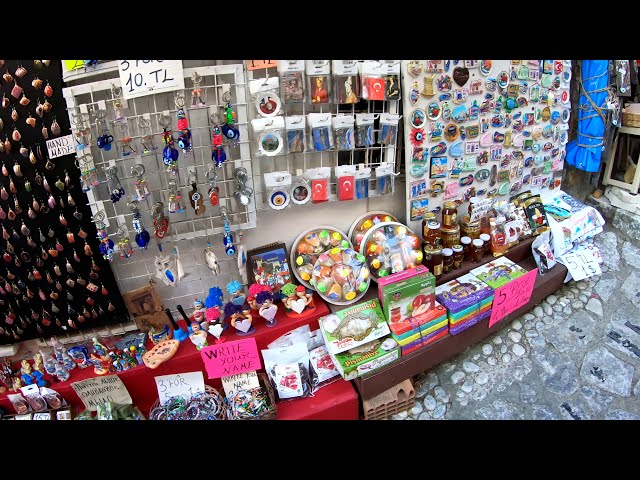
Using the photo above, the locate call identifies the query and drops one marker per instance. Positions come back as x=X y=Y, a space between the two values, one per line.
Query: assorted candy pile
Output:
x=341 y=276
x=310 y=245
x=391 y=247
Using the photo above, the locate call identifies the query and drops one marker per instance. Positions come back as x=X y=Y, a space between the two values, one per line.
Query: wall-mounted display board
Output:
x=482 y=128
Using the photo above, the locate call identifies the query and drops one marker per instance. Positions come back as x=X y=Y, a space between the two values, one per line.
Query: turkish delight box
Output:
x=462 y=292
x=424 y=341
x=454 y=330
x=409 y=300
x=366 y=358
x=410 y=327
x=353 y=326
x=438 y=324
x=499 y=272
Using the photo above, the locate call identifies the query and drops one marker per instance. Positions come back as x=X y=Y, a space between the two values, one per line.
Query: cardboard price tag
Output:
x=95 y=391
x=512 y=296
x=261 y=64
x=582 y=265
x=180 y=384
x=144 y=77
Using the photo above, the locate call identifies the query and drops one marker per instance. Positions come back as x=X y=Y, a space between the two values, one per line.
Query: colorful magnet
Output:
x=482 y=174
x=444 y=83
x=485 y=67
x=460 y=114
x=418 y=118
x=439 y=149
x=451 y=132
x=414 y=68
x=433 y=110
x=456 y=150
x=503 y=188
x=503 y=79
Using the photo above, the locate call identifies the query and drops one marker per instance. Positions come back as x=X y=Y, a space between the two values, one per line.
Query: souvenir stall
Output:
x=254 y=316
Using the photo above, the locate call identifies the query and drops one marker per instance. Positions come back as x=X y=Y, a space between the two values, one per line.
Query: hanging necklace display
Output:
x=125 y=141
x=174 y=197
x=146 y=137
x=169 y=153
x=142 y=236
x=194 y=196
x=218 y=154
x=106 y=244
x=211 y=260
x=160 y=222
x=115 y=187
x=227 y=239
x=104 y=138
x=212 y=178
x=124 y=247
x=140 y=190
x=242 y=193
x=198 y=94
x=229 y=129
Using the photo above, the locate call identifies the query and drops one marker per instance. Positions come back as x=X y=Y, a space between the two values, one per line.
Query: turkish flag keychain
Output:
x=212 y=177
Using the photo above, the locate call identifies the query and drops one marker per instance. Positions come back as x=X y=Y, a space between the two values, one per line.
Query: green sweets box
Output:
x=498 y=272
x=366 y=358
x=353 y=326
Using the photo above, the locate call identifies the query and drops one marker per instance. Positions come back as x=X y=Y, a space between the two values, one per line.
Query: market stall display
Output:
x=391 y=247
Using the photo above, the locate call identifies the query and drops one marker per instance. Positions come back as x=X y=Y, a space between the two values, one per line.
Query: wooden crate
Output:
x=396 y=399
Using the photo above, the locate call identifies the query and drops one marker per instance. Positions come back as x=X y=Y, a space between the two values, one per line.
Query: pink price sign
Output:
x=512 y=296
x=231 y=358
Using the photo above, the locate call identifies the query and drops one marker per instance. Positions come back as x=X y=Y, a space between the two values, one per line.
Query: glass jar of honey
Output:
x=434 y=236
x=433 y=260
x=486 y=247
x=466 y=247
x=476 y=254
x=470 y=229
x=499 y=245
x=450 y=236
x=449 y=214
x=447 y=260
x=426 y=218
x=458 y=256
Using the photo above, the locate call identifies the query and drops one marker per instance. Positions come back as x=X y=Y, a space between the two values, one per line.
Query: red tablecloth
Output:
x=336 y=401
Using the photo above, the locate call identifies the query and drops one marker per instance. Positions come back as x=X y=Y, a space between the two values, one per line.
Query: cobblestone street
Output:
x=575 y=356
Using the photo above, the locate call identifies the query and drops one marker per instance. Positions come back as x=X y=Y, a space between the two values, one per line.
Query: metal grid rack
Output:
x=187 y=232
x=291 y=162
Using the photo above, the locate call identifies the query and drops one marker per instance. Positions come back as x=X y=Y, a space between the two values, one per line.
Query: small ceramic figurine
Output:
x=199 y=313
x=303 y=293
x=38 y=363
x=80 y=356
x=50 y=365
x=267 y=309
x=62 y=355
x=296 y=299
x=213 y=305
x=199 y=336
x=241 y=319
x=234 y=288
x=254 y=290
x=100 y=358
x=17 y=384
x=62 y=373
x=157 y=336
x=27 y=377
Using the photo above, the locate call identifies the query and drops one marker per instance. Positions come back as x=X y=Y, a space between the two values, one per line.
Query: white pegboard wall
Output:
x=188 y=232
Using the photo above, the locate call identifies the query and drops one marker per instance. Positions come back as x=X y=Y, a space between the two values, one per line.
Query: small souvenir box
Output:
x=460 y=327
x=498 y=272
x=366 y=358
x=423 y=332
x=463 y=292
x=426 y=340
x=472 y=311
x=409 y=327
x=353 y=326
x=408 y=298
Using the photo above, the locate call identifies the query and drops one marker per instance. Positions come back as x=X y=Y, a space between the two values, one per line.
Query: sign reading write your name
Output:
x=512 y=296
x=231 y=358
x=61 y=146
x=182 y=384
x=144 y=77
x=241 y=382
x=95 y=391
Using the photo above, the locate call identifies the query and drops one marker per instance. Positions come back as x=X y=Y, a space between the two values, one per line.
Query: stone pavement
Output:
x=574 y=356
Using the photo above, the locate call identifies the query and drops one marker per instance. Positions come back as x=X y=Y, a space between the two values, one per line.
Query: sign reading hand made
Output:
x=231 y=358
x=145 y=77
x=512 y=296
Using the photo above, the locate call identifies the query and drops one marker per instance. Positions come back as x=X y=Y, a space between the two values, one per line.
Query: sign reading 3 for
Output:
x=144 y=77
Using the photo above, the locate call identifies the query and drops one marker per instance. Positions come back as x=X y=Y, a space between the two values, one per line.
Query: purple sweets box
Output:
x=470 y=323
x=462 y=293
x=425 y=338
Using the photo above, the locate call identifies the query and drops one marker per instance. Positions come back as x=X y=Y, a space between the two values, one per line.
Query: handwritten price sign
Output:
x=144 y=77
x=583 y=264
x=512 y=296
x=183 y=384
x=261 y=64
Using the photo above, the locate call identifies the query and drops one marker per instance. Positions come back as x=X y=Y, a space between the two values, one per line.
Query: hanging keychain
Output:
x=106 y=244
x=124 y=247
x=194 y=196
x=115 y=187
x=211 y=260
x=228 y=128
x=160 y=222
x=242 y=193
x=142 y=236
x=217 y=139
x=198 y=95
x=118 y=106
x=184 y=139
x=212 y=178
x=227 y=240
x=105 y=138
x=126 y=140
x=89 y=174
x=174 y=197
x=140 y=190
x=242 y=254
x=169 y=154
x=146 y=137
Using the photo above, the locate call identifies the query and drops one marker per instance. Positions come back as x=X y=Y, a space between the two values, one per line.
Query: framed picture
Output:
x=268 y=266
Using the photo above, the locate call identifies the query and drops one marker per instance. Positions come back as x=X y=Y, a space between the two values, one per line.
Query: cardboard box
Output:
x=409 y=299
x=471 y=312
x=454 y=330
x=413 y=324
x=353 y=326
x=499 y=272
x=428 y=340
x=463 y=292
x=366 y=358
x=429 y=328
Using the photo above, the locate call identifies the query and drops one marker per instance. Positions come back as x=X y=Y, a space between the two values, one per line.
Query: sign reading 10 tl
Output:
x=144 y=77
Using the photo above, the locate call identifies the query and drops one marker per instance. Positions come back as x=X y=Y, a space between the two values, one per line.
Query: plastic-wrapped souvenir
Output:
x=295 y=127
x=291 y=81
x=341 y=276
x=309 y=245
x=391 y=247
x=364 y=223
